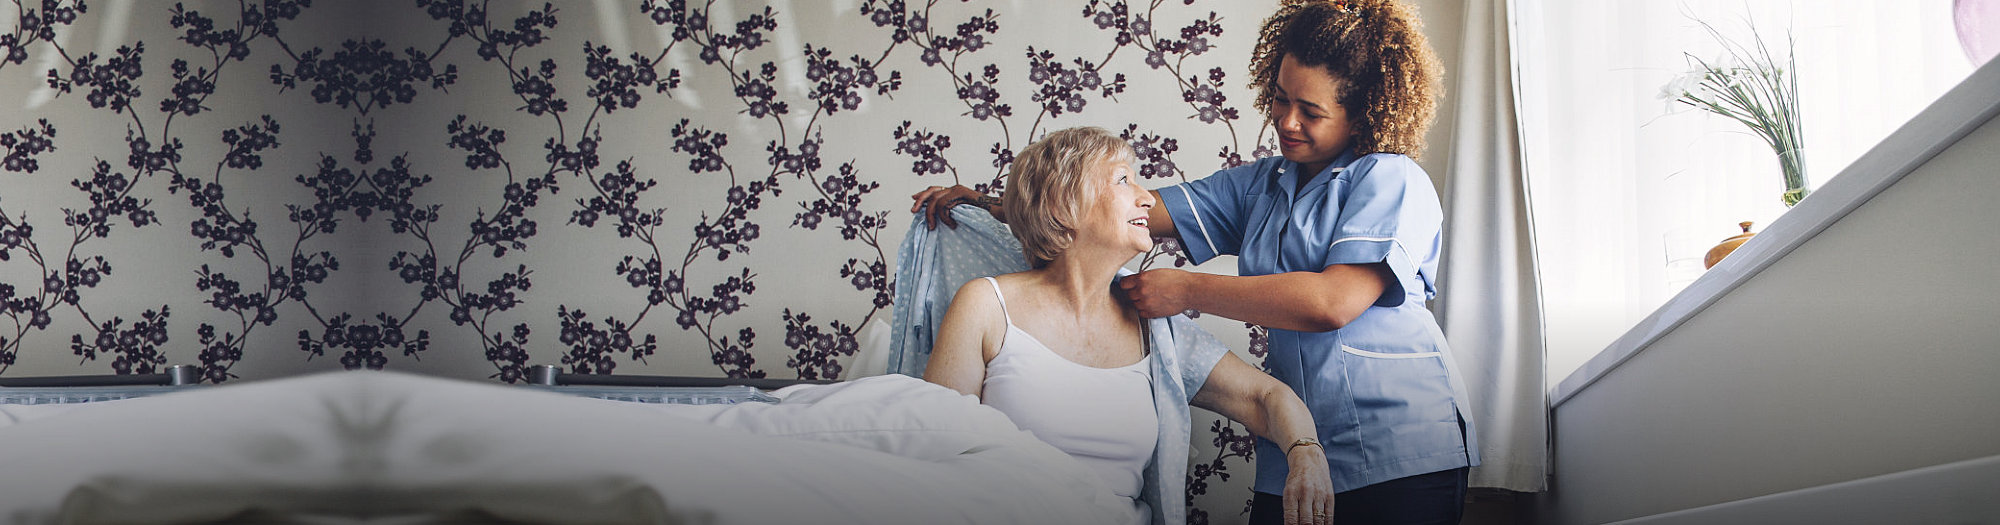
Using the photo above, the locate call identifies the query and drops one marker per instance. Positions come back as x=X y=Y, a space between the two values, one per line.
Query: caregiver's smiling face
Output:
x=1305 y=108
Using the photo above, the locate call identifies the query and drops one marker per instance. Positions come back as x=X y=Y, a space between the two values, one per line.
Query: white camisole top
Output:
x=1101 y=416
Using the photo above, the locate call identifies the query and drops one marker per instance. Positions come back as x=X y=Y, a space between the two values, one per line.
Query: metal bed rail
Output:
x=176 y=375
x=661 y=389
x=44 y=390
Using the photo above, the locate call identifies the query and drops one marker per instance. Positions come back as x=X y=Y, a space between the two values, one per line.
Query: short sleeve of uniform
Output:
x=1210 y=212
x=1390 y=214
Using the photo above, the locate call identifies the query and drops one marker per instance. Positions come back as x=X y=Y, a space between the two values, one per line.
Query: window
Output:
x=1628 y=191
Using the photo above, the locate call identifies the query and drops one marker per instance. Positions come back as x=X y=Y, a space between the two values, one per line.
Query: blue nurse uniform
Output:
x=1383 y=390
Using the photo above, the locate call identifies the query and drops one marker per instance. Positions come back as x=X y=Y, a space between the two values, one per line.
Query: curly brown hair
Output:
x=1389 y=76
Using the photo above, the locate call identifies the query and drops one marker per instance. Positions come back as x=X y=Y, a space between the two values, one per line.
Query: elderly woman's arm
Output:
x=1251 y=397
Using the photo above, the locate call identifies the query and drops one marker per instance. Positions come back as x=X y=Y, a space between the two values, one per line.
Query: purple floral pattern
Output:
x=328 y=199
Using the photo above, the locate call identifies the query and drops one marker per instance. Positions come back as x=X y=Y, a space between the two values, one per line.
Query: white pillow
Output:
x=873 y=358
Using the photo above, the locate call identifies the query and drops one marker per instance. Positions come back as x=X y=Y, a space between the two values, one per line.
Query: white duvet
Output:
x=390 y=448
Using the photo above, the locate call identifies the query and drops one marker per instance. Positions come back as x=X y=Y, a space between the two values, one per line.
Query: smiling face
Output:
x=1114 y=214
x=1073 y=193
x=1305 y=107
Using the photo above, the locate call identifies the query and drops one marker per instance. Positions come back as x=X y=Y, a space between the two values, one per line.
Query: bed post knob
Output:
x=542 y=375
x=183 y=375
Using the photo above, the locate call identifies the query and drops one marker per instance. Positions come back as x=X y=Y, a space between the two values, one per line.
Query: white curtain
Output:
x=1488 y=300
x=1630 y=191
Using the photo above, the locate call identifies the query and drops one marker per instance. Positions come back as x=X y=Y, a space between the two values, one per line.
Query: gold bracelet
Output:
x=1304 y=441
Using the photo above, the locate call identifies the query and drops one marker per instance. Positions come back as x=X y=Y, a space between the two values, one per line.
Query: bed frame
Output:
x=636 y=388
x=661 y=389
x=46 y=390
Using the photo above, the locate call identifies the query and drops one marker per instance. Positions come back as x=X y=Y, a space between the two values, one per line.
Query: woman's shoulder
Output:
x=975 y=288
x=1262 y=165
x=1388 y=170
x=1007 y=281
x=976 y=298
x=1246 y=179
x=1249 y=170
x=990 y=290
x=1395 y=163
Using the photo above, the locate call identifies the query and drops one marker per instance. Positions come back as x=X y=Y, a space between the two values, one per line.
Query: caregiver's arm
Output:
x=1303 y=301
x=1158 y=221
x=1251 y=397
x=965 y=339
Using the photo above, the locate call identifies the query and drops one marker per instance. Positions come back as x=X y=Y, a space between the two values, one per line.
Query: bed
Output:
x=378 y=447
x=381 y=447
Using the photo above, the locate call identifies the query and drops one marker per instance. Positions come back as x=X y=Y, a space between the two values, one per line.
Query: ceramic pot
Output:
x=1716 y=254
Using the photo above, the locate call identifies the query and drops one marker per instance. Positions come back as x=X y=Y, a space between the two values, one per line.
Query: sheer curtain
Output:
x=1629 y=191
x=1487 y=301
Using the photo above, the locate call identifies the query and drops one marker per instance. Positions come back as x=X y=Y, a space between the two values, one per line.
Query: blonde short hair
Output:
x=1050 y=181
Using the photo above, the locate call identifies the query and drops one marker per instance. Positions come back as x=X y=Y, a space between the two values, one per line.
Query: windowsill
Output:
x=1958 y=112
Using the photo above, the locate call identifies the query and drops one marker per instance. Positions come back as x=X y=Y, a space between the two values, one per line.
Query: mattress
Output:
x=380 y=447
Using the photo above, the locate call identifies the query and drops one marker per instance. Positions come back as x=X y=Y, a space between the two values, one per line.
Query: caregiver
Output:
x=1337 y=246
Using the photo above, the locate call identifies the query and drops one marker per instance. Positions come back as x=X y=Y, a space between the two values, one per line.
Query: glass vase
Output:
x=1793 y=163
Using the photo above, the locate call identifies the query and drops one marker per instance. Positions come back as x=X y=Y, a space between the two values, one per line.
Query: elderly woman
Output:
x=1068 y=360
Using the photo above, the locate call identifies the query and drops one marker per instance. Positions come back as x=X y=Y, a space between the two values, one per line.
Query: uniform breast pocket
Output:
x=1397 y=389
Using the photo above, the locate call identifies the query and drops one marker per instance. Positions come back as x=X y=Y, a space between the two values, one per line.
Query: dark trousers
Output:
x=1437 y=498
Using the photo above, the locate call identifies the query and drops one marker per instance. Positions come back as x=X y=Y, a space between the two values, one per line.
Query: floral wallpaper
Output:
x=467 y=188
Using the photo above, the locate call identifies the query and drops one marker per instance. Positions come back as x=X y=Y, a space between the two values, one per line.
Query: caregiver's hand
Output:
x=1160 y=292
x=1308 y=487
x=935 y=203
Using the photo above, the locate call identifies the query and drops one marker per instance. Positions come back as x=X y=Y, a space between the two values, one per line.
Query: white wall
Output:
x=1870 y=348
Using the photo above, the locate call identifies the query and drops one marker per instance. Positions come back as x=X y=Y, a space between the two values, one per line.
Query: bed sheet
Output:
x=387 y=448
